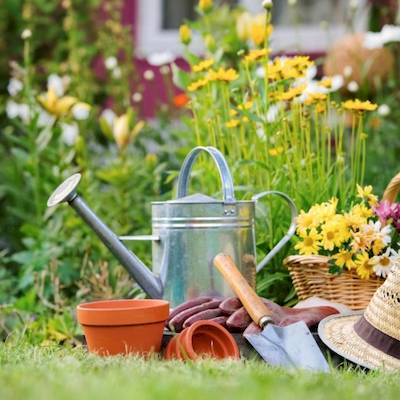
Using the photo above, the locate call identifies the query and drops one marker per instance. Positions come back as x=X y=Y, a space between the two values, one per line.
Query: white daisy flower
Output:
x=382 y=233
x=382 y=264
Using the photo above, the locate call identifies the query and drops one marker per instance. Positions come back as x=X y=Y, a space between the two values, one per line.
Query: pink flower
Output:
x=387 y=211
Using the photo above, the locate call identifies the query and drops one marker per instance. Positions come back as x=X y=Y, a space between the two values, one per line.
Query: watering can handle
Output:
x=223 y=169
x=291 y=231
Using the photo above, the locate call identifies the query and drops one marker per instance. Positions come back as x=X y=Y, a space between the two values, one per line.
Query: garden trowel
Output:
x=292 y=346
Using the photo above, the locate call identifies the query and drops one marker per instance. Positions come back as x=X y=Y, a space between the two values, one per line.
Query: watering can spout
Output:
x=66 y=192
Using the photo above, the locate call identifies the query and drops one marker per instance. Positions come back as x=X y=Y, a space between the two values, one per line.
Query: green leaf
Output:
x=180 y=77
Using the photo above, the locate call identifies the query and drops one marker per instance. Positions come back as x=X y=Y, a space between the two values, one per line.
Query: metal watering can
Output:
x=187 y=234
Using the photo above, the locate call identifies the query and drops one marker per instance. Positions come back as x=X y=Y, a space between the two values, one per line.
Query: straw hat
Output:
x=370 y=339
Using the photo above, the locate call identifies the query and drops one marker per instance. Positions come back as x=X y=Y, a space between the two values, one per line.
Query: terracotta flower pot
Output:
x=203 y=338
x=123 y=326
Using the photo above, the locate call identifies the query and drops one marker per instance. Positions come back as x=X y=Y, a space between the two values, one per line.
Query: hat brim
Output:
x=337 y=333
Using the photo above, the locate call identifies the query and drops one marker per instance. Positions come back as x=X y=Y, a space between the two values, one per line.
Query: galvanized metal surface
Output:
x=195 y=233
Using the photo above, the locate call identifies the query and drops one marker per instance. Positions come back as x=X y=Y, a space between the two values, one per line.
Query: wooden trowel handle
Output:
x=258 y=311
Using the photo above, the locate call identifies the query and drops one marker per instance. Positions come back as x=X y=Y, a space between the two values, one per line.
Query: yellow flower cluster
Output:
x=203 y=65
x=224 y=75
x=358 y=105
x=290 y=94
x=256 y=54
x=353 y=240
x=197 y=85
x=314 y=97
x=288 y=68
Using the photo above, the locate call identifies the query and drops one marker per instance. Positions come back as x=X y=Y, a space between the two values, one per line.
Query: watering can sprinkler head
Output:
x=66 y=192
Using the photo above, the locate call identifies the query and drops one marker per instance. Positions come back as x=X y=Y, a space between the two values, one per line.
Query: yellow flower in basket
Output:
x=306 y=221
x=332 y=235
x=310 y=243
x=344 y=259
x=363 y=265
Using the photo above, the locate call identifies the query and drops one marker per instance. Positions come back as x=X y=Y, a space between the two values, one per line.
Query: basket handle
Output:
x=392 y=189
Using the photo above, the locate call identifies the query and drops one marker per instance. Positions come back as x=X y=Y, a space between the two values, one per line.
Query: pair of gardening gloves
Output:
x=231 y=314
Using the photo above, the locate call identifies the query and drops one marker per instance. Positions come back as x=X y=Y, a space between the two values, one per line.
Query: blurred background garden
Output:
x=301 y=98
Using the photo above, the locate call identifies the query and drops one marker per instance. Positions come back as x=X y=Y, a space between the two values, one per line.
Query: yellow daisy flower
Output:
x=197 y=85
x=331 y=236
x=305 y=221
x=358 y=105
x=256 y=54
x=203 y=65
x=361 y=210
x=224 y=75
x=365 y=193
x=310 y=243
x=363 y=265
x=292 y=93
x=354 y=221
x=344 y=259
x=314 y=97
x=325 y=211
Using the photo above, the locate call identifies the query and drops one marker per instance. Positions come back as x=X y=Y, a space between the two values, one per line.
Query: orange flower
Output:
x=180 y=100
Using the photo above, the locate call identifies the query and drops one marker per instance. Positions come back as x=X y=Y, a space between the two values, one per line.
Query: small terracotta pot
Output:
x=203 y=338
x=123 y=326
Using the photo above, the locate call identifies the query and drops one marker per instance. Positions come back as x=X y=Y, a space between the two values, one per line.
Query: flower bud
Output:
x=185 y=34
x=205 y=5
x=267 y=4
x=121 y=131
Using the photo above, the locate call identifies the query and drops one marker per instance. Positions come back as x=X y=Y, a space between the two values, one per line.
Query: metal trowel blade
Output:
x=291 y=347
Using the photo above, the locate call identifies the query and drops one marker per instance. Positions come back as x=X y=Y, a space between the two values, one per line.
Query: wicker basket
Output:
x=311 y=276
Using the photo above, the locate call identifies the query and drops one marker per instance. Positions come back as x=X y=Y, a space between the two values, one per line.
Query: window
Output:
x=309 y=26
x=174 y=12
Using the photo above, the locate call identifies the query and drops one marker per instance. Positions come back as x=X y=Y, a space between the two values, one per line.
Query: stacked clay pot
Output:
x=202 y=339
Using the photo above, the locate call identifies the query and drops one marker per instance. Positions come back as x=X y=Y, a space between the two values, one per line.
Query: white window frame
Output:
x=151 y=38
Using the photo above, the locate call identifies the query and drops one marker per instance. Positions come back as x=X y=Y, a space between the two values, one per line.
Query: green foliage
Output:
x=49 y=258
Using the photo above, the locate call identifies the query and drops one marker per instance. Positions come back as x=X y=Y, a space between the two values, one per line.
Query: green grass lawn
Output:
x=28 y=372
